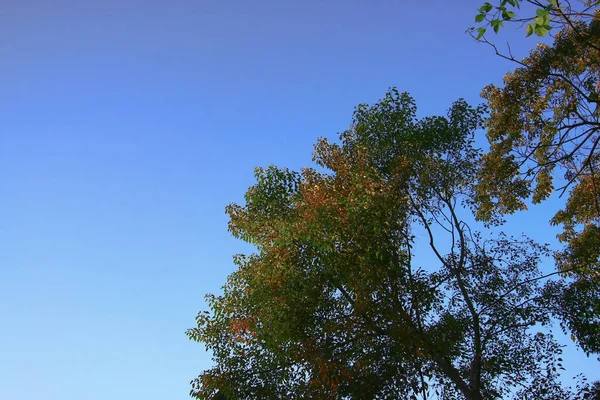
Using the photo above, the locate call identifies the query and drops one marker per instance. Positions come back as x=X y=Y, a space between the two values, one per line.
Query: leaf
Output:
x=481 y=33
x=496 y=24
x=540 y=12
x=507 y=15
x=530 y=30
x=540 y=30
x=487 y=7
x=479 y=17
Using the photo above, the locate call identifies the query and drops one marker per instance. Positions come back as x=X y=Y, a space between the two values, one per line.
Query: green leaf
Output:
x=508 y=15
x=479 y=18
x=496 y=24
x=540 y=30
x=541 y=12
x=529 y=30
x=481 y=32
x=487 y=7
x=512 y=3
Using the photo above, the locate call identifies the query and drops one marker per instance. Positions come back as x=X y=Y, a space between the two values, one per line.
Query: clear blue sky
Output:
x=127 y=126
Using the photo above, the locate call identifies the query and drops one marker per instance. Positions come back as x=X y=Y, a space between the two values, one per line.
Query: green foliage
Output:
x=332 y=304
x=548 y=14
x=578 y=306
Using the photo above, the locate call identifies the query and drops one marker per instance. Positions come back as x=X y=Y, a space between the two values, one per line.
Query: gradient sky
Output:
x=127 y=126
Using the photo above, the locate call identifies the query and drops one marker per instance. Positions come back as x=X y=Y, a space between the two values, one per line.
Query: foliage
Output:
x=577 y=304
x=548 y=14
x=333 y=304
x=544 y=131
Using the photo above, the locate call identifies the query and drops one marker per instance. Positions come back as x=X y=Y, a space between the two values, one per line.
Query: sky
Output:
x=127 y=126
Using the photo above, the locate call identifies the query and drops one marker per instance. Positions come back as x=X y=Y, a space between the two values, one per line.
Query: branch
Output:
x=509 y=291
x=585 y=163
x=476 y=364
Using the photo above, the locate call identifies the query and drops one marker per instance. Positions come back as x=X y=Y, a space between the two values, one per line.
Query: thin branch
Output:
x=526 y=281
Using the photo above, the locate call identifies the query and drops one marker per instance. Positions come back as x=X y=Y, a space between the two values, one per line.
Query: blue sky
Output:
x=127 y=126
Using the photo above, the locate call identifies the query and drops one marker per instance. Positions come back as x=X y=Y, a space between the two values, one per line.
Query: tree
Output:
x=333 y=304
x=544 y=130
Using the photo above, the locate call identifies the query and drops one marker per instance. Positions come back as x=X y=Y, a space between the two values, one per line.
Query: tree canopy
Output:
x=368 y=282
x=544 y=129
x=333 y=304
